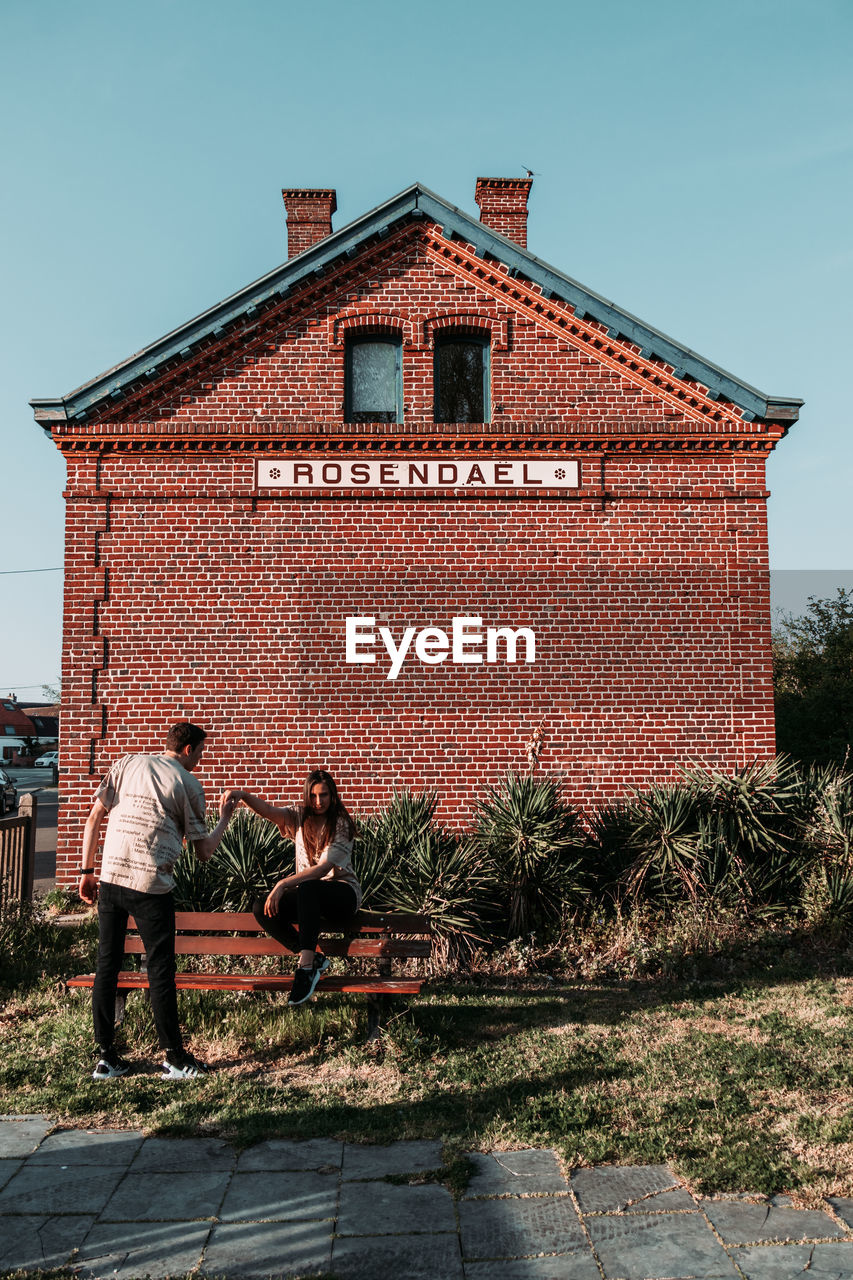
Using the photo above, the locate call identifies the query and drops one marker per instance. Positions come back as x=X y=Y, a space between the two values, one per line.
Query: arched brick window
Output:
x=373 y=377
x=461 y=375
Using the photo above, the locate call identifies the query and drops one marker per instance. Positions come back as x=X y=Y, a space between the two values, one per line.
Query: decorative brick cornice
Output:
x=561 y=320
x=444 y=436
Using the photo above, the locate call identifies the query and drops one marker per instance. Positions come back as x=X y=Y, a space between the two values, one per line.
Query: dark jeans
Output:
x=306 y=905
x=154 y=914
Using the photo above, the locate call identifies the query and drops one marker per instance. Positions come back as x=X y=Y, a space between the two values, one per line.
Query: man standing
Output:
x=154 y=804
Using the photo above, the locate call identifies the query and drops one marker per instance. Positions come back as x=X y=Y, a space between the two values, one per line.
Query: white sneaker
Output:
x=185 y=1067
x=110 y=1065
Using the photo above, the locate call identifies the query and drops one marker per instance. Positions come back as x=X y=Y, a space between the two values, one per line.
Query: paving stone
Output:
x=281 y=1197
x=645 y=1247
x=831 y=1261
x=163 y=1154
x=675 y=1201
x=21 y=1135
x=45 y=1189
x=422 y=1257
x=41 y=1241
x=740 y=1223
x=381 y=1208
x=518 y=1228
x=514 y=1173
x=88 y=1146
x=127 y=1250
x=167 y=1197
x=8 y=1168
x=562 y=1266
x=278 y=1153
x=262 y=1249
x=843 y=1207
x=400 y=1157
x=613 y=1187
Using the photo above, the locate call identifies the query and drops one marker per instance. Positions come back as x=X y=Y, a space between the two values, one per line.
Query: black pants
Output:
x=306 y=905
x=154 y=914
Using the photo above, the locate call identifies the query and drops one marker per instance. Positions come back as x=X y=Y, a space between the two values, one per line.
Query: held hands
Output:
x=228 y=802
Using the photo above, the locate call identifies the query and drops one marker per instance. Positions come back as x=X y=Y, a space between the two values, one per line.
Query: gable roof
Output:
x=415 y=202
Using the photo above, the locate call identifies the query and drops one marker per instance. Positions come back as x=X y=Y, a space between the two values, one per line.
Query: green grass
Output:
x=737 y=1072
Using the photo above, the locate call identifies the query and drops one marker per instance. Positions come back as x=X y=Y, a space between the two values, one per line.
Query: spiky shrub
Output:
x=533 y=841
x=746 y=844
x=251 y=856
x=662 y=845
x=448 y=879
x=607 y=855
x=824 y=813
x=383 y=838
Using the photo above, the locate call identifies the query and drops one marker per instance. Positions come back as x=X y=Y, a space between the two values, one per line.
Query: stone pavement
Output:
x=114 y=1203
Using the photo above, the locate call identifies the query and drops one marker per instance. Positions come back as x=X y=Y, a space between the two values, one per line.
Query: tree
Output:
x=813 y=680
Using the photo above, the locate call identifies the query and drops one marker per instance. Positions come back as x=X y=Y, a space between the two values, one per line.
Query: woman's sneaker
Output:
x=180 y=1065
x=110 y=1065
x=305 y=980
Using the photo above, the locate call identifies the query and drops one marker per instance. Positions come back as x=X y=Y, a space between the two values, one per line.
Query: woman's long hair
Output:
x=333 y=815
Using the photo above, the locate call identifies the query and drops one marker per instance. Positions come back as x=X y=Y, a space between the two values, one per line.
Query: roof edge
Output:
x=416 y=201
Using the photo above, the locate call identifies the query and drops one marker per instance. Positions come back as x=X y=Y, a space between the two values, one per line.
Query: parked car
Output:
x=49 y=760
x=8 y=793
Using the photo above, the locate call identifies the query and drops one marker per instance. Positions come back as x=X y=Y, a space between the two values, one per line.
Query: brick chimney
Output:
x=503 y=206
x=309 y=217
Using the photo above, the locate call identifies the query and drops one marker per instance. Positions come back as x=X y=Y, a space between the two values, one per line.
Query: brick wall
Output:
x=191 y=594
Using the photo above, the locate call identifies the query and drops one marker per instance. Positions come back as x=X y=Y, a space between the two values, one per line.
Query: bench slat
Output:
x=261 y=982
x=244 y=922
x=204 y=945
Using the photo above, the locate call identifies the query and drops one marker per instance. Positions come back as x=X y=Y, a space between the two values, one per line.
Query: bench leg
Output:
x=121 y=1003
x=378 y=1006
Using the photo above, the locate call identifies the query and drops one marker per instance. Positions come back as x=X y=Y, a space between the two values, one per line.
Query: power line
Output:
x=57 y=569
x=12 y=684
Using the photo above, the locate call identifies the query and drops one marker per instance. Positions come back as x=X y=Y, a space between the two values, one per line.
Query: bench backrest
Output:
x=237 y=933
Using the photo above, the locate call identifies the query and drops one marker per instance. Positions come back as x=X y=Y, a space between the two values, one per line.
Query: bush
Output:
x=405 y=861
x=31 y=945
x=251 y=856
x=534 y=842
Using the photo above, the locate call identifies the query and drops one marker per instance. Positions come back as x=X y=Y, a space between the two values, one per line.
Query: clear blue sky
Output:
x=693 y=161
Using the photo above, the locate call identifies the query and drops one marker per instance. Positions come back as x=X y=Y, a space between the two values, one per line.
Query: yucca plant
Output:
x=746 y=816
x=194 y=881
x=252 y=855
x=663 y=845
x=828 y=900
x=533 y=840
x=383 y=839
x=447 y=878
x=608 y=853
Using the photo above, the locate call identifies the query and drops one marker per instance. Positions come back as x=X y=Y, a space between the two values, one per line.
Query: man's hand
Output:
x=229 y=801
x=88 y=888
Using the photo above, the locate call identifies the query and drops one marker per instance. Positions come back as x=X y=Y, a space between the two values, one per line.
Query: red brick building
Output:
x=276 y=512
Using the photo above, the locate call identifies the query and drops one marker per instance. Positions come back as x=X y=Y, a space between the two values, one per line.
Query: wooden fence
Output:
x=18 y=851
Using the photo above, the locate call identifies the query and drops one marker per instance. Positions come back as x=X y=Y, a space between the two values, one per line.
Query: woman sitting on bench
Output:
x=324 y=885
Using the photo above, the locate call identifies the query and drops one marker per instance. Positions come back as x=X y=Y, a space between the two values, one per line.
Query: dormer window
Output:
x=461 y=378
x=374 y=380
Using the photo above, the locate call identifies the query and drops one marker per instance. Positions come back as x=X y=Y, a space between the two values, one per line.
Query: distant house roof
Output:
x=46 y=726
x=41 y=709
x=13 y=721
x=414 y=203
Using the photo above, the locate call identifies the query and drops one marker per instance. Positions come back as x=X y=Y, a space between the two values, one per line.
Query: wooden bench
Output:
x=375 y=935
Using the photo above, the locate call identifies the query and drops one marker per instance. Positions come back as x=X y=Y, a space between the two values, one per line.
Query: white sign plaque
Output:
x=325 y=471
